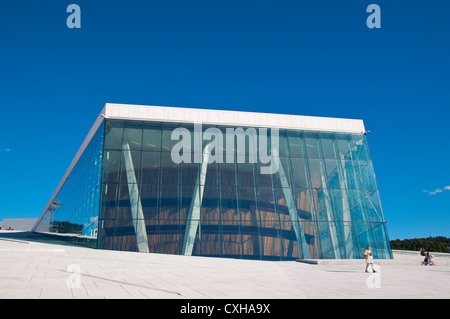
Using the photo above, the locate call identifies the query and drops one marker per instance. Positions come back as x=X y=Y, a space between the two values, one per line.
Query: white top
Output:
x=232 y=118
x=369 y=258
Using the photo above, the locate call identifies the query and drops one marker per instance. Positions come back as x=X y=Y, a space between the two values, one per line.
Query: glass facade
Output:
x=322 y=202
x=74 y=211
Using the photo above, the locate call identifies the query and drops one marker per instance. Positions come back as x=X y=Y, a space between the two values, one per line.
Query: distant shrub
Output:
x=435 y=244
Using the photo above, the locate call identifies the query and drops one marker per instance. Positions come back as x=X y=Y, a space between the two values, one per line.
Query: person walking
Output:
x=369 y=258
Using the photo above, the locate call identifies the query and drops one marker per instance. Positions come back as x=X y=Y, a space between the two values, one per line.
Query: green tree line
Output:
x=435 y=244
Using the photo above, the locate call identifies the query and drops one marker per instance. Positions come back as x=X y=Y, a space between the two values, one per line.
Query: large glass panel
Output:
x=228 y=204
x=351 y=173
x=150 y=167
x=334 y=176
x=381 y=241
x=227 y=174
x=251 y=248
x=132 y=136
x=167 y=143
x=169 y=170
x=149 y=200
x=317 y=173
x=75 y=210
x=169 y=207
x=262 y=180
x=245 y=174
x=346 y=150
x=210 y=206
x=283 y=177
x=231 y=239
x=357 y=205
x=312 y=143
x=109 y=201
x=302 y=199
x=111 y=165
x=113 y=134
x=299 y=172
x=190 y=173
x=130 y=167
x=373 y=206
x=361 y=149
x=270 y=240
x=124 y=208
x=322 y=202
x=283 y=144
x=125 y=236
x=329 y=145
x=151 y=138
x=367 y=175
x=212 y=175
x=296 y=145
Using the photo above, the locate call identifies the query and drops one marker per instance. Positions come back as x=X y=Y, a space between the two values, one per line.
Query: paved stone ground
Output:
x=35 y=267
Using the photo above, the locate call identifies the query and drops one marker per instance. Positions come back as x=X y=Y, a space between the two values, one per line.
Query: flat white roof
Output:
x=231 y=118
x=207 y=116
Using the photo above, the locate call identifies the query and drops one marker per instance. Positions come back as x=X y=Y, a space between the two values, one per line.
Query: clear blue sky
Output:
x=295 y=57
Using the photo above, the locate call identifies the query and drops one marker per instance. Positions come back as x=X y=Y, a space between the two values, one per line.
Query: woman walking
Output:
x=369 y=258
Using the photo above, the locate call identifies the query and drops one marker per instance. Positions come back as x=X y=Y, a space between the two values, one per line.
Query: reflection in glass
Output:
x=323 y=201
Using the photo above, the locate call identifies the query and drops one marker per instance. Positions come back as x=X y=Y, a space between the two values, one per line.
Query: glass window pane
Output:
x=150 y=168
x=283 y=143
x=109 y=201
x=130 y=167
x=317 y=173
x=247 y=206
x=151 y=139
x=212 y=174
x=303 y=203
x=210 y=205
x=132 y=135
x=351 y=171
x=228 y=203
x=374 y=206
x=367 y=175
x=113 y=134
x=299 y=172
x=124 y=207
x=170 y=199
x=329 y=145
x=227 y=174
x=167 y=142
x=111 y=164
x=361 y=147
x=149 y=201
x=335 y=180
x=357 y=205
x=169 y=170
x=296 y=146
x=187 y=196
x=190 y=173
x=262 y=180
x=266 y=204
x=312 y=143
x=346 y=147
x=284 y=172
x=245 y=174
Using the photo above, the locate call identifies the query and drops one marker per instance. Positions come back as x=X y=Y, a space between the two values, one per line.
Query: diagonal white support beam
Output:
x=135 y=201
x=343 y=184
x=299 y=233
x=193 y=218
x=331 y=220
